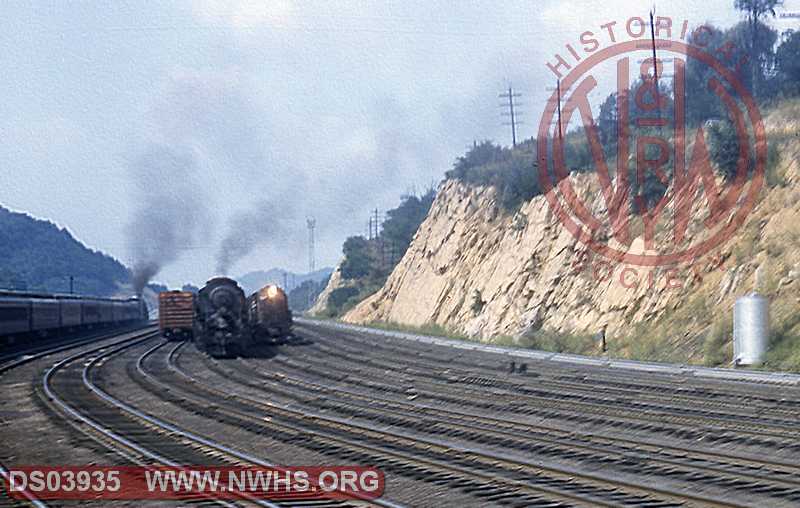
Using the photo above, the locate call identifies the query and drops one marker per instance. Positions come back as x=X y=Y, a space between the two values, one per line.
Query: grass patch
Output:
x=432 y=329
x=784 y=350
x=718 y=345
x=544 y=340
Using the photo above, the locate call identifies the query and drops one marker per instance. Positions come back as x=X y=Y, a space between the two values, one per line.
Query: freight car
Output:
x=220 y=320
x=32 y=316
x=176 y=314
x=268 y=314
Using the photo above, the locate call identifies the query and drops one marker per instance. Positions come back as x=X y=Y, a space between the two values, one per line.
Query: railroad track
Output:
x=19 y=357
x=743 y=474
x=780 y=481
x=750 y=398
x=488 y=477
x=588 y=407
x=325 y=381
x=450 y=421
x=727 y=482
x=141 y=437
x=621 y=383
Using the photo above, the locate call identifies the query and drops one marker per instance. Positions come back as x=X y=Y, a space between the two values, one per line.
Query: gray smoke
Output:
x=202 y=120
x=170 y=210
x=248 y=230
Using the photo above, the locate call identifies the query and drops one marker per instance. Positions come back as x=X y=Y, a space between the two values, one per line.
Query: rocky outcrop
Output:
x=477 y=270
x=320 y=307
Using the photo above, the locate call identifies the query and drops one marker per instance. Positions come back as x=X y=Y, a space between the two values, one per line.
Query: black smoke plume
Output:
x=169 y=213
x=248 y=230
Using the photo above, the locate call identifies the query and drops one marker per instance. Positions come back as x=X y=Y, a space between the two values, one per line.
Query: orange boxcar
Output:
x=176 y=314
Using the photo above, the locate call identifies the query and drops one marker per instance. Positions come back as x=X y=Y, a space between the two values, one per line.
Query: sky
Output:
x=276 y=110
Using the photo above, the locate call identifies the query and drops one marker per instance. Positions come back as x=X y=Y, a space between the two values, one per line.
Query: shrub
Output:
x=338 y=298
x=723 y=147
x=717 y=347
x=512 y=172
x=356 y=258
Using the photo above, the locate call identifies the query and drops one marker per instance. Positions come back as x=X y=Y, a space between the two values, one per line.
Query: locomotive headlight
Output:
x=269 y=292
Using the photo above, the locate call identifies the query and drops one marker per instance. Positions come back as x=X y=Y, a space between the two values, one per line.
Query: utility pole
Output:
x=71 y=284
x=285 y=281
x=653 y=41
x=655 y=67
x=512 y=113
x=558 y=92
x=311 y=222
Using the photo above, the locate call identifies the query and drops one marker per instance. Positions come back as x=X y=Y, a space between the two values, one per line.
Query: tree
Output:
x=756 y=9
x=402 y=222
x=723 y=147
x=607 y=124
x=356 y=258
x=787 y=64
x=305 y=295
x=340 y=298
x=481 y=154
x=703 y=104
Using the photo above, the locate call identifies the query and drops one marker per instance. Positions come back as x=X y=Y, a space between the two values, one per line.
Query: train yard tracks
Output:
x=448 y=427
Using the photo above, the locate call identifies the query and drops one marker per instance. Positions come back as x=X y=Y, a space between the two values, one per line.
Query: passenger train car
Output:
x=28 y=316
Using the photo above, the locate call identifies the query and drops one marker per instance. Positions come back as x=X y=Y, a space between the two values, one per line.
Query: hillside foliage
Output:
x=36 y=255
x=764 y=61
x=303 y=296
x=368 y=262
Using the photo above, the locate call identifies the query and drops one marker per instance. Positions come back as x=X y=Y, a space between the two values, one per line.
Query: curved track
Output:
x=448 y=427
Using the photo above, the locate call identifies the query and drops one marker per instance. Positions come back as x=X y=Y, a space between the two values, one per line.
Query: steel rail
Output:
x=489 y=457
x=95 y=426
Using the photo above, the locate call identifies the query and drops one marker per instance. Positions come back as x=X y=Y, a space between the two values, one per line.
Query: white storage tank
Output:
x=750 y=329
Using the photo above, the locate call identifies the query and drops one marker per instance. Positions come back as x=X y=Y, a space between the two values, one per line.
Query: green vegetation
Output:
x=36 y=255
x=723 y=147
x=718 y=345
x=511 y=172
x=557 y=342
x=784 y=351
x=765 y=63
x=302 y=297
x=431 y=329
x=540 y=339
x=367 y=263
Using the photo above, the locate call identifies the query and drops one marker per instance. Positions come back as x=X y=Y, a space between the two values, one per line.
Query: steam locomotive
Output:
x=220 y=320
x=228 y=324
x=33 y=316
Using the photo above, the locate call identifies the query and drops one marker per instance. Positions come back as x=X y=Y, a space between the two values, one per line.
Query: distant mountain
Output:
x=36 y=255
x=253 y=281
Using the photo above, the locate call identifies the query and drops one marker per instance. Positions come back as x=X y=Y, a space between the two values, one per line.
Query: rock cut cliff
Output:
x=484 y=272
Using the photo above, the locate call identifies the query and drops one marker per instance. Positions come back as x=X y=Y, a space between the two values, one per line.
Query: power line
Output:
x=511 y=95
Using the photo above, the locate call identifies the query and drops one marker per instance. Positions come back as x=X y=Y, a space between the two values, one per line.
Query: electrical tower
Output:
x=511 y=113
x=312 y=223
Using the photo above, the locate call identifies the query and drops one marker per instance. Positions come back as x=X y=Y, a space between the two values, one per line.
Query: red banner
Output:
x=191 y=482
